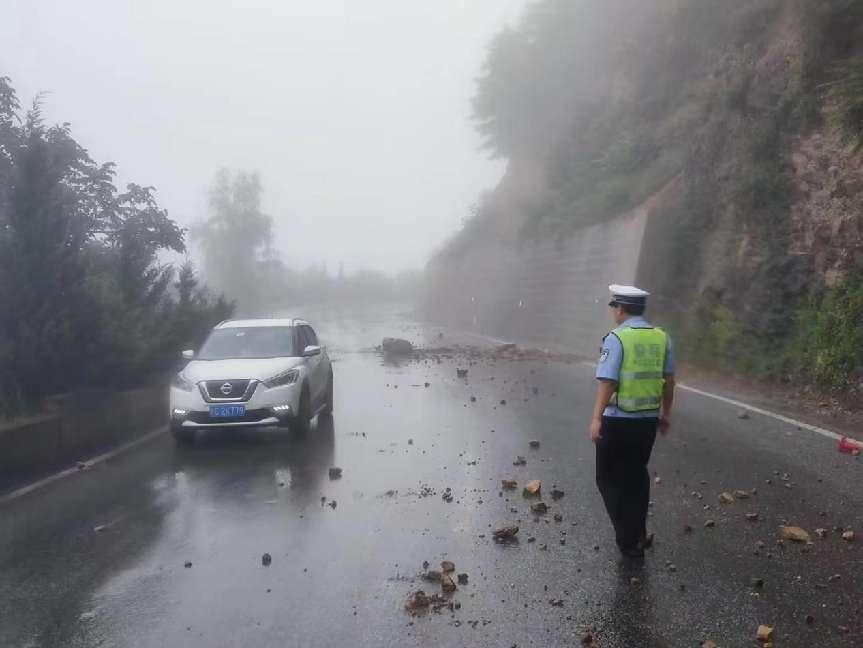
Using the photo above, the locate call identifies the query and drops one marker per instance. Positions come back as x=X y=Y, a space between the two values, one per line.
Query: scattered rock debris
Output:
x=764 y=633
x=795 y=534
x=335 y=472
x=533 y=487
x=505 y=532
x=558 y=517
x=740 y=494
x=447 y=495
x=848 y=536
x=266 y=560
x=396 y=346
x=821 y=533
x=726 y=498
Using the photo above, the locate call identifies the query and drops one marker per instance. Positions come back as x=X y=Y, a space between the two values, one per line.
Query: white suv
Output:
x=252 y=373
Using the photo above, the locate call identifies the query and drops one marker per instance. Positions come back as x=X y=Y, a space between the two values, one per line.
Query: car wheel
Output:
x=304 y=415
x=328 y=400
x=182 y=436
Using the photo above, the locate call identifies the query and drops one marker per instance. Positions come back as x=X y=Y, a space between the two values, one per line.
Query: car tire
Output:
x=182 y=436
x=328 y=397
x=304 y=413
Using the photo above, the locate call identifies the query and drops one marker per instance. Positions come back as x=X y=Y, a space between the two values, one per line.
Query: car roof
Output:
x=269 y=321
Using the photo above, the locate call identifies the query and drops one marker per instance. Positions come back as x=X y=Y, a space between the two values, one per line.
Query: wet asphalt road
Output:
x=340 y=575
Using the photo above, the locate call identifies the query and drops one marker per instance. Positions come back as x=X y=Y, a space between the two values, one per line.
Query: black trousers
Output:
x=622 y=477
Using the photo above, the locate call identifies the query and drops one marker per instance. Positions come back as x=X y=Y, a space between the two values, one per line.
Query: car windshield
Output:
x=249 y=342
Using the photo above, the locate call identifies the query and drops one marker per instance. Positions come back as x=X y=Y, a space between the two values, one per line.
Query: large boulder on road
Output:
x=397 y=346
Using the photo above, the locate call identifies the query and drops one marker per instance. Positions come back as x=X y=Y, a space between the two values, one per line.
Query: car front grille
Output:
x=251 y=416
x=218 y=390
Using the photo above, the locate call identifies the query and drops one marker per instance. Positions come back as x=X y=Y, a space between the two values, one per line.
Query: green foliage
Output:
x=84 y=300
x=827 y=347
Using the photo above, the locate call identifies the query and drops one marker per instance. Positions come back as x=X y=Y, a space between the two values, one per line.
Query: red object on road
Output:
x=849 y=446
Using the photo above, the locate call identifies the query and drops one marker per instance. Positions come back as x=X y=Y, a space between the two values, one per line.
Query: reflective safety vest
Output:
x=642 y=379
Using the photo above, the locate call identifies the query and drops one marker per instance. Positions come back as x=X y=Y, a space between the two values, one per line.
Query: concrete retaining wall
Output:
x=76 y=426
x=549 y=292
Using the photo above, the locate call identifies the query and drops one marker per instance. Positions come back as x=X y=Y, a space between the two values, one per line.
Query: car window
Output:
x=311 y=338
x=248 y=342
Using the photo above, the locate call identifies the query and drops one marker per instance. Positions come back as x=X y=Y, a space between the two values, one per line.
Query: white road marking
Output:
x=29 y=488
x=830 y=434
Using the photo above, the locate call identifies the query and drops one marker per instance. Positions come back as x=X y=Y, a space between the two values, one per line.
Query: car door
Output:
x=314 y=364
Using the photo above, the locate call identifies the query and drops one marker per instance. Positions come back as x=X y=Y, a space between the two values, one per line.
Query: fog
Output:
x=356 y=115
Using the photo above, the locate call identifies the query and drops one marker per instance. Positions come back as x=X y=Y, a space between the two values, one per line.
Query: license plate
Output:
x=227 y=411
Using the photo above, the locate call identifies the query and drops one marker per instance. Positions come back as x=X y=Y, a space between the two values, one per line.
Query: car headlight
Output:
x=181 y=382
x=285 y=378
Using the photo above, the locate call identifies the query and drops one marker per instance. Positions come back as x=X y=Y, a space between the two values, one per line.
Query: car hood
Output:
x=238 y=369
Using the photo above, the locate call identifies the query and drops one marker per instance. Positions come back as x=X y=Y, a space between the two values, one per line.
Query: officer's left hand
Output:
x=664 y=424
x=595 y=429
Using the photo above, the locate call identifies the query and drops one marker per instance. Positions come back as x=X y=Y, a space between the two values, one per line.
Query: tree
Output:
x=235 y=237
x=84 y=300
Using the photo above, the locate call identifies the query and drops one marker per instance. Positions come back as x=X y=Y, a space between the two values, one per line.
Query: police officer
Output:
x=634 y=397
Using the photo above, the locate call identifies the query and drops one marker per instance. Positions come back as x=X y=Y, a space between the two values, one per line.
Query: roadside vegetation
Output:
x=84 y=299
x=710 y=96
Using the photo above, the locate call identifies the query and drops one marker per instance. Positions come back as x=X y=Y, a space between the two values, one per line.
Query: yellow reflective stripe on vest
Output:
x=642 y=380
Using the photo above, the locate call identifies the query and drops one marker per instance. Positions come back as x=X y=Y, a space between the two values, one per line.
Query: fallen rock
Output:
x=795 y=534
x=539 y=507
x=447 y=584
x=417 y=601
x=447 y=566
x=556 y=494
x=752 y=516
x=740 y=494
x=397 y=346
x=556 y=602
x=726 y=498
x=462 y=579
x=461 y=373
x=187 y=564
x=505 y=532
x=503 y=402
x=508 y=484
x=533 y=487
x=432 y=576
x=848 y=536
x=709 y=524
x=558 y=517
x=534 y=444
x=519 y=461
x=821 y=533
x=447 y=495
x=764 y=633
x=266 y=560
x=335 y=472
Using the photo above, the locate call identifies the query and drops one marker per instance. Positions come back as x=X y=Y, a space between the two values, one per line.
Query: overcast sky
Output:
x=355 y=112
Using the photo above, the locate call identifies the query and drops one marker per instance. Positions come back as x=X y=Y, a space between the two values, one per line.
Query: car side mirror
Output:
x=311 y=350
x=188 y=354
